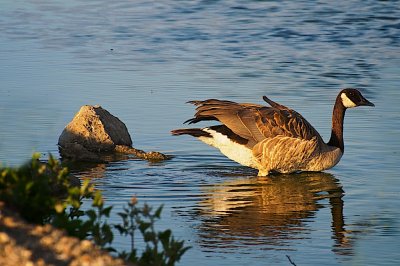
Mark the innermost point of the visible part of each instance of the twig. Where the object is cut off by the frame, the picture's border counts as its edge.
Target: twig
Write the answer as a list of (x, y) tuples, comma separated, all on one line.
[(290, 260)]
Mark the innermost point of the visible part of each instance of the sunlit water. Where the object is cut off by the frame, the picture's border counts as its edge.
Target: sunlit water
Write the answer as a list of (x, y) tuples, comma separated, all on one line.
[(142, 60)]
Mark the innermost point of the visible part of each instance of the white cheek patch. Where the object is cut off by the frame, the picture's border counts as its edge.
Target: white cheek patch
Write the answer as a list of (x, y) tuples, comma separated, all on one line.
[(346, 101)]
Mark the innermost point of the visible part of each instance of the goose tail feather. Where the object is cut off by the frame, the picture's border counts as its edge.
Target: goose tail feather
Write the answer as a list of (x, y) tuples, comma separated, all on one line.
[(195, 132)]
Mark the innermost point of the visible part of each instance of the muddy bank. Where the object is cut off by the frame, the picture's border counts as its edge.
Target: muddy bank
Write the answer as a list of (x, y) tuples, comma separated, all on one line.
[(22, 243)]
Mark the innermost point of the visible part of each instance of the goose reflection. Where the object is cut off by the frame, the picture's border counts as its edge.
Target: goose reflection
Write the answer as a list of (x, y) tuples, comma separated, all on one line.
[(269, 210)]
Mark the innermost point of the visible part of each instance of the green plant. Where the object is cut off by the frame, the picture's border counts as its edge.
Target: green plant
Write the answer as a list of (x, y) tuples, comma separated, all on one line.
[(89, 224), (161, 247), (42, 193), (101, 233), (69, 213), (33, 188)]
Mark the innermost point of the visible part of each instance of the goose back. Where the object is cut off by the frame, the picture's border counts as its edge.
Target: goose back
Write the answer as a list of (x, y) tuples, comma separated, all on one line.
[(254, 122)]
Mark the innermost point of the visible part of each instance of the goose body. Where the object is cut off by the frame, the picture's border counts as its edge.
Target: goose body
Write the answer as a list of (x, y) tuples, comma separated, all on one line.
[(272, 138)]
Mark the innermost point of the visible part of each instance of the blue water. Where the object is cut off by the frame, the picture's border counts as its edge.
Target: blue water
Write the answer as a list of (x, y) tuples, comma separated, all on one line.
[(142, 60)]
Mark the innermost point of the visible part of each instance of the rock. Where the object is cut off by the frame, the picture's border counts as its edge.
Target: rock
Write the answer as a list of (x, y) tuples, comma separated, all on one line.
[(22, 243), (151, 156), (93, 130), (94, 134), (77, 152)]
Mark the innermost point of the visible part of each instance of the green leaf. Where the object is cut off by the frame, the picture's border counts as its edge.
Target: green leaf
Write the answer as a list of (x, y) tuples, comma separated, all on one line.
[(122, 215), (143, 226), (92, 214), (149, 236), (107, 233), (164, 235), (106, 211), (98, 199), (157, 214), (122, 230)]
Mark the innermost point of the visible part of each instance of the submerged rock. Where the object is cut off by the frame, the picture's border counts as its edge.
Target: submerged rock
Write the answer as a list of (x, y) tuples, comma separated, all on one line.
[(94, 133), (151, 156)]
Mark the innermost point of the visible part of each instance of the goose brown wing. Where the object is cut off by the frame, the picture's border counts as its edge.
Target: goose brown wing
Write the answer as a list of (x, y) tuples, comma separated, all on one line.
[(285, 122), (240, 118), (254, 122)]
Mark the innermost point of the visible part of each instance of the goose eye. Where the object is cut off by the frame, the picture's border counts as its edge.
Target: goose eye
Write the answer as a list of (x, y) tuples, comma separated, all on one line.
[(351, 93)]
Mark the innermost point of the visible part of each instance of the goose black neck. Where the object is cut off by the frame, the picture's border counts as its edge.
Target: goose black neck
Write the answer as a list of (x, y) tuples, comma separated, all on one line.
[(337, 125)]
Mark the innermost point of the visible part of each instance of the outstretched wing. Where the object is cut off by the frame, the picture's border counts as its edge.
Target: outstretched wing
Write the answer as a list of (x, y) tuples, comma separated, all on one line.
[(255, 122)]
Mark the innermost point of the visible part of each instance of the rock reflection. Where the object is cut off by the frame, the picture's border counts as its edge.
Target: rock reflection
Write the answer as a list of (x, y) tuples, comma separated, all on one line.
[(87, 170), (269, 211), (90, 170)]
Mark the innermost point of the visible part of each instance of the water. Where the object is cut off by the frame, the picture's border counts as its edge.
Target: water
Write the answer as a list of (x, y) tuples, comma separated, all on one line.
[(142, 60)]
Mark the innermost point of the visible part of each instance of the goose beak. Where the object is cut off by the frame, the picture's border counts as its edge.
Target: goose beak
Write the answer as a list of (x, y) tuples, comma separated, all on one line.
[(365, 102)]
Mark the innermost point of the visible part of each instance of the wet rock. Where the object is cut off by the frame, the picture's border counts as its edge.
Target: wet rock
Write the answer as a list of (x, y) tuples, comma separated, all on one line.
[(78, 152), (151, 156), (94, 134), (92, 131)]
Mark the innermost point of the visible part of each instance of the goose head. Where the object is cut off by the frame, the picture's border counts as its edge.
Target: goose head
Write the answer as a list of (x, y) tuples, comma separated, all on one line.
[(353, 98)]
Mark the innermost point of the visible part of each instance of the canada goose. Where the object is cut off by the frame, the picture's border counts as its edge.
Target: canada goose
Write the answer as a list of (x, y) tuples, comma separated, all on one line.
[(272, 139)]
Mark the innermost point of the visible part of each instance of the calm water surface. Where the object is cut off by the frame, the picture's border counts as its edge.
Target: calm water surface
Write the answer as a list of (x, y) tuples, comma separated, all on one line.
[(142, 60)]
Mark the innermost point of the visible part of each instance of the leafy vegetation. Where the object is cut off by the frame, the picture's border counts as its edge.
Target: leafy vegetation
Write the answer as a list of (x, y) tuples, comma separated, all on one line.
[(161, 247), (42, 193), (32, 189)]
